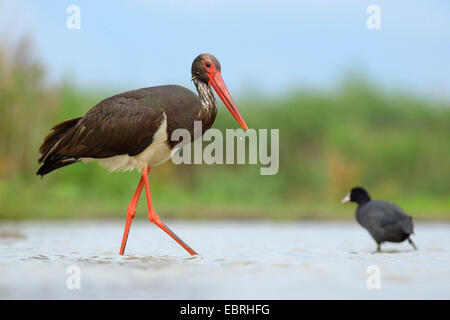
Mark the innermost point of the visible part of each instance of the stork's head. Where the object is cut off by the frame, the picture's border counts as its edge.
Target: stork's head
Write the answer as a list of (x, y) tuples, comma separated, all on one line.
[(206, 68)]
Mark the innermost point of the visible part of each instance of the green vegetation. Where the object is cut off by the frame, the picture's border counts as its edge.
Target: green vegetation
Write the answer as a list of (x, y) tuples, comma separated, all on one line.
[(396, 145)]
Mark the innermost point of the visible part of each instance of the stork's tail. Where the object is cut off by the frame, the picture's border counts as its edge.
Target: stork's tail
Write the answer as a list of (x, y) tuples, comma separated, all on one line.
[(50, 159)]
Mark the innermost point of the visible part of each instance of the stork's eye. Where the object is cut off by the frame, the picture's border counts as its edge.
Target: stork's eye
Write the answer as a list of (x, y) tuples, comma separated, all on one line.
[(208, 65)]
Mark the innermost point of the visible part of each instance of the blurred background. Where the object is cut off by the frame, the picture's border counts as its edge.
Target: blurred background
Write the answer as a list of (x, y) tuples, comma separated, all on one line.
[(354, 106)]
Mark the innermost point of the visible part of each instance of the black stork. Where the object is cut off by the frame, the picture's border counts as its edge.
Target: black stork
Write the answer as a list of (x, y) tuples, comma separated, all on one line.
[(132, 130)]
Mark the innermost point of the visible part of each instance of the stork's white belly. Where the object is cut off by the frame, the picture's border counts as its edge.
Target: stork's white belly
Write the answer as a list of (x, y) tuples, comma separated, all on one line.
[(155, 154)]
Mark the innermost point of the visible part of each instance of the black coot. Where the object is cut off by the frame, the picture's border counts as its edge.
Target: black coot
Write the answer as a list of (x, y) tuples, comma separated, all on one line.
[(384, 220)]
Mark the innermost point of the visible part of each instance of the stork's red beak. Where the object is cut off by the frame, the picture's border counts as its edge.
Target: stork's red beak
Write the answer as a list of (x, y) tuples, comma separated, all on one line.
[(217, 83)]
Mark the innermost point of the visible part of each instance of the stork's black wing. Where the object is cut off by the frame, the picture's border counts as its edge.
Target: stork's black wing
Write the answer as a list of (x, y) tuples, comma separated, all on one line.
[(122, 124)]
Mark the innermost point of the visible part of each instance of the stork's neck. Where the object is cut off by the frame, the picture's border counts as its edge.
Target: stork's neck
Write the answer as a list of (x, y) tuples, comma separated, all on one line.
[(207, 99)]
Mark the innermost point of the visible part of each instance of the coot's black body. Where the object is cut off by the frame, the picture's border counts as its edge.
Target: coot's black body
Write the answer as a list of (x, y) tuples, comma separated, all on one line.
[(384, 220)]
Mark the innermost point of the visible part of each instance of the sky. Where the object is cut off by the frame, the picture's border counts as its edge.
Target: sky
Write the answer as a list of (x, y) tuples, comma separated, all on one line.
[(264, 46)]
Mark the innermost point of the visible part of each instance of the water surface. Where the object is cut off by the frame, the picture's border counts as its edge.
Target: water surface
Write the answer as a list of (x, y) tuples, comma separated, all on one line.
[(238, 260)]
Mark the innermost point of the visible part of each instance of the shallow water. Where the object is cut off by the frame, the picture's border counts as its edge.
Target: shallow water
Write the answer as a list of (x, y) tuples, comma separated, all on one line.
[(238, 260)]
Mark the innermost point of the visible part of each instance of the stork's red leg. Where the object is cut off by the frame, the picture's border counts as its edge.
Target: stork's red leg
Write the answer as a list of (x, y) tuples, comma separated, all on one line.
[(153, 217), (131, 212)]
